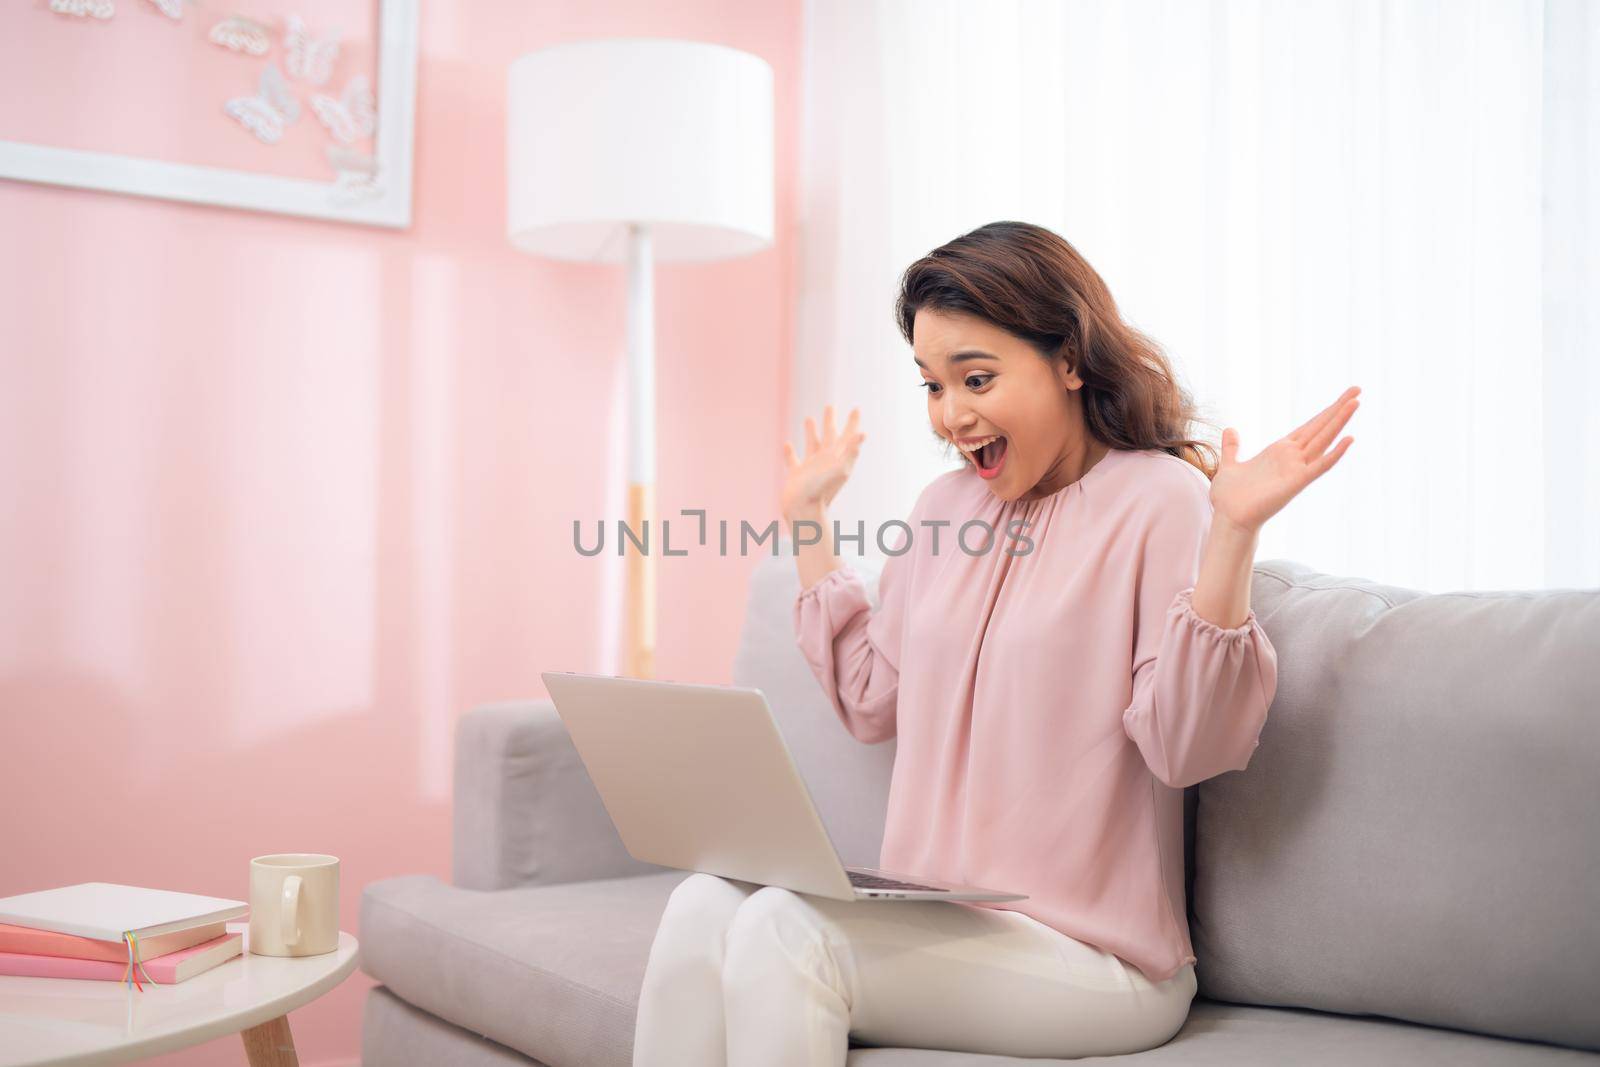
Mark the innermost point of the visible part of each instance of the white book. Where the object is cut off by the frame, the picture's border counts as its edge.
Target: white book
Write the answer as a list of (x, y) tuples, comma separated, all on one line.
[(106, 910)]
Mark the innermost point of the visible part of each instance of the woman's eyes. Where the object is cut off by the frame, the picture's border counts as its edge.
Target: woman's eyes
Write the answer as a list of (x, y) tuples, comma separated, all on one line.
[(981, 379)]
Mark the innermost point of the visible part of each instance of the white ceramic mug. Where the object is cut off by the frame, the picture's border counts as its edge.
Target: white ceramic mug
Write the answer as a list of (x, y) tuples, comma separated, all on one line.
[(294, 904)]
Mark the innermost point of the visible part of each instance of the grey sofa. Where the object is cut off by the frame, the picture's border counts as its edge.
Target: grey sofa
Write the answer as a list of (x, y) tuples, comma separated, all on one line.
[(1408, 872)]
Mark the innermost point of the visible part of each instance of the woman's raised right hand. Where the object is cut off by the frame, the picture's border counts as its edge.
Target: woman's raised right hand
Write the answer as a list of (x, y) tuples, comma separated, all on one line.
[(814, 480)]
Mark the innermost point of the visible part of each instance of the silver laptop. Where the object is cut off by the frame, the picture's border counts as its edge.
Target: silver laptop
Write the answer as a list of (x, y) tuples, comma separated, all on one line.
[(699, 778)]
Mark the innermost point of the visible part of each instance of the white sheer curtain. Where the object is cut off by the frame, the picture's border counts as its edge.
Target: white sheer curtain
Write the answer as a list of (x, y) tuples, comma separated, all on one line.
[(1291, 199)]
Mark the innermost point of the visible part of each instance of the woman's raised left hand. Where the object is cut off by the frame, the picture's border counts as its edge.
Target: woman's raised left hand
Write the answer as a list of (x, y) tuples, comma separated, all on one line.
[(1248, 494)]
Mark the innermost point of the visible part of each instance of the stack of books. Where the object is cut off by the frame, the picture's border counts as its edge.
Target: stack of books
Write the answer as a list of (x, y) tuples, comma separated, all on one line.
[(116, 932)]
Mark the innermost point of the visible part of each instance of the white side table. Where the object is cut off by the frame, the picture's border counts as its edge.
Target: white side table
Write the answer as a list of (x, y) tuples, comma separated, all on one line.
[(78, 1021)]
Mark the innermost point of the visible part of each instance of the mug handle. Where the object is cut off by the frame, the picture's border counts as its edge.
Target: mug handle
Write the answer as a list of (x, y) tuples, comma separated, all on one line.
[(289, 911)]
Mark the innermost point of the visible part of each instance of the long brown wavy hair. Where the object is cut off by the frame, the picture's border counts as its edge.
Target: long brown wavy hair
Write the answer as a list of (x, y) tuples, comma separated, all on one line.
[(1032, 283)]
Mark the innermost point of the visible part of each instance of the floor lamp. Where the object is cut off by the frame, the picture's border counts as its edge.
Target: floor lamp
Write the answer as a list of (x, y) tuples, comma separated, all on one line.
[(639, 150)]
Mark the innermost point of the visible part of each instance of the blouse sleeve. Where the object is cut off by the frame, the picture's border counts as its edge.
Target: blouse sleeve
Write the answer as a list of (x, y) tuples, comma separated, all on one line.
[(854, 650), (1200, 691)]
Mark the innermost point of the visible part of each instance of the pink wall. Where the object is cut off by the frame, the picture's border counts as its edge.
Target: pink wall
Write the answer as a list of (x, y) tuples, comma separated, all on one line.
[(279, 499)]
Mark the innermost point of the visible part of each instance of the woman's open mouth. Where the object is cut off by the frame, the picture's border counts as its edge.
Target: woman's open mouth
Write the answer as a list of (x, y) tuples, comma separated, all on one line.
[(990, 458)]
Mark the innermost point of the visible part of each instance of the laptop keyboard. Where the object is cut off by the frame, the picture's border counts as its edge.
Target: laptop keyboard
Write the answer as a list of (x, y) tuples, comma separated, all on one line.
[(872, 881)]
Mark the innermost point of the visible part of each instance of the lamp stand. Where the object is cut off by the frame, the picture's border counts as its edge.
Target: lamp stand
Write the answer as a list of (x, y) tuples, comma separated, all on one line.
[(641, 652)]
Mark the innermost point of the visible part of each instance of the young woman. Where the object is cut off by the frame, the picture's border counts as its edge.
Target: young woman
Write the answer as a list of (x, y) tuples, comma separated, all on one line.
[(1064, 643)]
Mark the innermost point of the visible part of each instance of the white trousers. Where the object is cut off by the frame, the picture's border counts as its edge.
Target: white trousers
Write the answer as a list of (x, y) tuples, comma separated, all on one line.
[(742, 975)]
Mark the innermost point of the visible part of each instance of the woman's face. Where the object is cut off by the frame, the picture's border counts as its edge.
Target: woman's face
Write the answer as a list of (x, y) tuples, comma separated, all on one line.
[(983, 381)]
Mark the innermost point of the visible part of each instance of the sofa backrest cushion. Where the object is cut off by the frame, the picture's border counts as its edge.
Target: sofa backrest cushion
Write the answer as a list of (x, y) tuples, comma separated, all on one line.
[(1416, 836), (848, 781)]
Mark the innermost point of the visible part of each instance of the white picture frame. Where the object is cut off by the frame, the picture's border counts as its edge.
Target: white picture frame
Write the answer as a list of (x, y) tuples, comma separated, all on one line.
[(392, 148)]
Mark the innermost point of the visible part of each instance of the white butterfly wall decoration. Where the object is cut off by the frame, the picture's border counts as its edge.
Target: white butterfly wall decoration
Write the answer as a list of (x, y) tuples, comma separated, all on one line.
[(356, 176), (280, 64), (350, 117), (100, 9), (241, 35), (270, 110), (309, 60)]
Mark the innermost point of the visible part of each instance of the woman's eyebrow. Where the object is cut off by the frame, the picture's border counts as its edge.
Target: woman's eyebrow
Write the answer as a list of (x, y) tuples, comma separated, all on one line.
[(959, 357)]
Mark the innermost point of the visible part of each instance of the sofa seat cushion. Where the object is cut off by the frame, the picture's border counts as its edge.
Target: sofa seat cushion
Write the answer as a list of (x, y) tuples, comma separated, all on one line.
[(553, 971), (396, 1034), (1238, 1035)]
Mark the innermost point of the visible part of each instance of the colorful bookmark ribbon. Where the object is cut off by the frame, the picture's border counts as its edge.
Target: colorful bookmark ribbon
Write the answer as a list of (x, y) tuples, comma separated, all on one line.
[(135, 960)]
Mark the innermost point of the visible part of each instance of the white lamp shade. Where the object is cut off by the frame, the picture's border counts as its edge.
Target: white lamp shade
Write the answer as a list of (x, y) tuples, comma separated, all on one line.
[(676, 135)]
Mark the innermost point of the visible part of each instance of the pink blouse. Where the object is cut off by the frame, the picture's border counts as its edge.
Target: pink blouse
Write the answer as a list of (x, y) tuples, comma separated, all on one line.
[(1051, 695)]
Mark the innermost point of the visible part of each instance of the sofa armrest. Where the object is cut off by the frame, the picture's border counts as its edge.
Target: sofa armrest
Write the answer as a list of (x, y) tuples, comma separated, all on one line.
[(526, 812)]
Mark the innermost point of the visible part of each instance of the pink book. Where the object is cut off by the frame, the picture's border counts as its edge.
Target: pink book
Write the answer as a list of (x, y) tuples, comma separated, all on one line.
[(164, 970), (32, 942)]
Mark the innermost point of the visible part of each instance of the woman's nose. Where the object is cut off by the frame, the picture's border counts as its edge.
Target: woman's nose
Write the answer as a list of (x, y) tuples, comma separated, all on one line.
[(956, 416)]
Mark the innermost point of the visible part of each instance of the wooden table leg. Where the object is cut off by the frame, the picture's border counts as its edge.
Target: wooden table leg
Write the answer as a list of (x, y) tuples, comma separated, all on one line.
[(270, 1044)]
